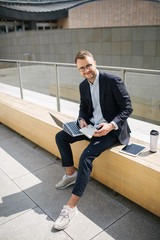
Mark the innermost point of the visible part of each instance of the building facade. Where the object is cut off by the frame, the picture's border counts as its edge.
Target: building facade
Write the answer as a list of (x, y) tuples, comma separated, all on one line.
[(20, 15)]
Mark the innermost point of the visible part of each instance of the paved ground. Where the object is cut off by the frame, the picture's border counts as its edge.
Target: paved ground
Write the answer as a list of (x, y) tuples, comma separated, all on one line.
[(29, 202)]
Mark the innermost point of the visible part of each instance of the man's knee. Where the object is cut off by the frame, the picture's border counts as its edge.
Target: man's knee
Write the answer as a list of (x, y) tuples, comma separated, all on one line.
[(59, 137), (86, 160)]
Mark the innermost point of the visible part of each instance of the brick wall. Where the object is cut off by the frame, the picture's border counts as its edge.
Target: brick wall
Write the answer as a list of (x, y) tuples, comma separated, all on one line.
[(107, 13)]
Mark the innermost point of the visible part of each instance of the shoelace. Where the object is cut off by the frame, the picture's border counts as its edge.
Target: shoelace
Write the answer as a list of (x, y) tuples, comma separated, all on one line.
[(64, 213), (64, 177)]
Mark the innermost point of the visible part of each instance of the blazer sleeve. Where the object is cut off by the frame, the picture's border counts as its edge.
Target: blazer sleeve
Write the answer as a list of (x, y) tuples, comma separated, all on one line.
[(83, 108), (123, 101)]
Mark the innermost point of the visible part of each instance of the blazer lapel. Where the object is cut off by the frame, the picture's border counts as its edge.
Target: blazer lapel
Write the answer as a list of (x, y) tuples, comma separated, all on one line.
[(88, 93), (101, 91)]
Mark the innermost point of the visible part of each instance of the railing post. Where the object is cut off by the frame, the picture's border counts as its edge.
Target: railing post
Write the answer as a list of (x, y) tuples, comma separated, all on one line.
[(57, 88), (123, 75), (20, 79)]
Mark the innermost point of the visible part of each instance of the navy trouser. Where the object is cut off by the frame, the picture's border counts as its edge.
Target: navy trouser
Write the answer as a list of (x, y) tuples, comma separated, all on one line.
[(96, 146)]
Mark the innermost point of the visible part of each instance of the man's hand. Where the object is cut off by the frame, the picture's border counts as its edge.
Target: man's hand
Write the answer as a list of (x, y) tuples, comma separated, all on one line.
[(82, 123), (104, 129)]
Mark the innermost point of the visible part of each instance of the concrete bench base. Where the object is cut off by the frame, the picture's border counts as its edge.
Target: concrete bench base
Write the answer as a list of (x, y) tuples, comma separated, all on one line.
[(137, 178)]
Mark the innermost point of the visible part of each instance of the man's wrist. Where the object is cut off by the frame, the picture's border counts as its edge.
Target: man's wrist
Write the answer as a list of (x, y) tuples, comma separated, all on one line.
[(115, 126), (80, 119)]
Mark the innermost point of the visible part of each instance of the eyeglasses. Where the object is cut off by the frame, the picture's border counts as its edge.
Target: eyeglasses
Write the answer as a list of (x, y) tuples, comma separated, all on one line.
[(82, 69)]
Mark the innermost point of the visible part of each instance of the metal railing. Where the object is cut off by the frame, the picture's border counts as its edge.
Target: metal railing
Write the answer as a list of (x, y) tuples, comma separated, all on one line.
[(138, 81)]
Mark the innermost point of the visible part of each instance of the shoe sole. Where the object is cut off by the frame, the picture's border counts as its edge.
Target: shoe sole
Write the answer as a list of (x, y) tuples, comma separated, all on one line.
[(69, 184), (57, 228)]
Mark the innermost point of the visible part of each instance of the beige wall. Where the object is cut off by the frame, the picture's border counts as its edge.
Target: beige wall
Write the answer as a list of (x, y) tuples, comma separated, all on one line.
[(107, 13), (63, 23), (137, 47)]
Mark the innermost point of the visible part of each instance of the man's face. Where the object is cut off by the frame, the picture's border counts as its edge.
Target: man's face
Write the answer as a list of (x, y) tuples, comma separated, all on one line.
[(87, 68)]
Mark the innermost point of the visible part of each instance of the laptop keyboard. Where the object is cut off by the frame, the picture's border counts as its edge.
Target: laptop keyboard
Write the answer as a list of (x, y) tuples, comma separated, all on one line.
[(74, 127)]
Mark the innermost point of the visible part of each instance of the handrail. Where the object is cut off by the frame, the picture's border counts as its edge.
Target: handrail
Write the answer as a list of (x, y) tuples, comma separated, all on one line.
[(151, 71)]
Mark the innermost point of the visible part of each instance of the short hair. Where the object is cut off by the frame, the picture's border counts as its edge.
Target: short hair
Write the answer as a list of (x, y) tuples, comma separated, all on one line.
[(83, 54)]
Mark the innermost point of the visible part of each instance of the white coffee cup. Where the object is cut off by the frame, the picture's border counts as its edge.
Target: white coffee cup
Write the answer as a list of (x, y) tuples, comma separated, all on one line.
[(153, 140)]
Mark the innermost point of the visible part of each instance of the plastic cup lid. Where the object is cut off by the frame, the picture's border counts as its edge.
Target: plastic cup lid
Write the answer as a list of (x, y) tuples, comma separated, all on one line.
[(154, 132)]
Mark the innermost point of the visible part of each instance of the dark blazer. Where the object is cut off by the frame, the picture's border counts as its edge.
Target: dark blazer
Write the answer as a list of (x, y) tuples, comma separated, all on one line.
[(114, 101)]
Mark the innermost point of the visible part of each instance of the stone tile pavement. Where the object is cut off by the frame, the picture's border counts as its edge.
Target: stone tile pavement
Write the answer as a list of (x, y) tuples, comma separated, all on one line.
[(29, 202)]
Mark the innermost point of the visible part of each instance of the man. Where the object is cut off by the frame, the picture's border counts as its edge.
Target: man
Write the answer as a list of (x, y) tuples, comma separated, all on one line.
[(104, 103)]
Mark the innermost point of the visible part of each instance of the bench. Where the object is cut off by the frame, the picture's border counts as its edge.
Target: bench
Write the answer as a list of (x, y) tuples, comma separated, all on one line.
[(136, 178)]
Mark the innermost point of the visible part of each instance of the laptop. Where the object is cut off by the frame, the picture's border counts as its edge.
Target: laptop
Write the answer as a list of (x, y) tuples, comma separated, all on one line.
[(73, 129), (133, 149), (70, 127)]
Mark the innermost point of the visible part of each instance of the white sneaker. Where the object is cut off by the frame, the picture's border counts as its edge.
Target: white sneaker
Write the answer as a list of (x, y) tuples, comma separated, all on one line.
[(66, 181), (66, 216)]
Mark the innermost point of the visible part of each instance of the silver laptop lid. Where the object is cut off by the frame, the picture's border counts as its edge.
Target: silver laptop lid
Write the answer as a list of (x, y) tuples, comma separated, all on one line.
[(57, 121)]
